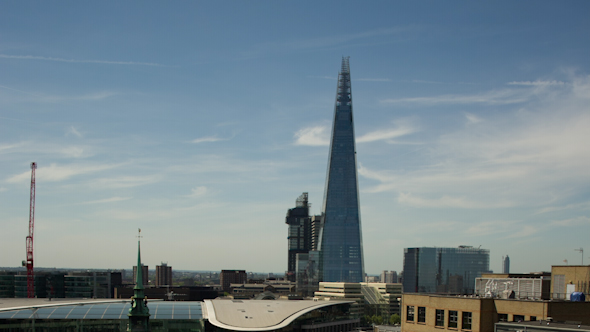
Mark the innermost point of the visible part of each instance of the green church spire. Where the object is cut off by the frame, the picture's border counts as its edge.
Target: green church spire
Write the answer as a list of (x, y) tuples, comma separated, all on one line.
[(139, 313)]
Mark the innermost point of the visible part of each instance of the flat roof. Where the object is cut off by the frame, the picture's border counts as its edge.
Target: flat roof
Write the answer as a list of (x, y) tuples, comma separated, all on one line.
[(259, 315), (94, 309)]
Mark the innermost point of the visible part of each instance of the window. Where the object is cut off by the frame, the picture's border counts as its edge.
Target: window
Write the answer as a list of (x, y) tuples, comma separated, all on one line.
[(518, 318), (502, 317), (533, 318), (410, 313), (421, 314), (466, 321), (453, 318), (440, 317)]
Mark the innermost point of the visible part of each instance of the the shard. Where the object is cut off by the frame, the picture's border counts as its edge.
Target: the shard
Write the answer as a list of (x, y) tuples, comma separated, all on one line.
[(341, 247)]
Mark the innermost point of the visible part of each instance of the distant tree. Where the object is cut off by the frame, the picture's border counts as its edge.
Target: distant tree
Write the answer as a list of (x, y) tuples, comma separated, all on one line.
[(377, 320), (365, 320), (395, 319)]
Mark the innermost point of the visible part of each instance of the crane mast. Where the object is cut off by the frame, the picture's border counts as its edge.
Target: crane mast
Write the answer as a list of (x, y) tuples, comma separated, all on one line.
[(30, 272)]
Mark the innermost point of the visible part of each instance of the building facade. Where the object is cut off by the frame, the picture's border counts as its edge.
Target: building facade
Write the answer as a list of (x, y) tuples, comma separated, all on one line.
[(299, 236), (388, 277), (144, 273), (566, 279), (163, 275), (505, 264), (228, 277), (341, 244), (444, 270), (428, 312)]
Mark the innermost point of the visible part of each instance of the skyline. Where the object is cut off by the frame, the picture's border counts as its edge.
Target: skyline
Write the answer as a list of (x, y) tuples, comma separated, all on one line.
[(202, 124)]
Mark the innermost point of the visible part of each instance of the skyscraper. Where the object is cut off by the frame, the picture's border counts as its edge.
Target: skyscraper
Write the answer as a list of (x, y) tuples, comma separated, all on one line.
[(444, 270), (299, 236), (163, 275), (341, 246), (505, 264)]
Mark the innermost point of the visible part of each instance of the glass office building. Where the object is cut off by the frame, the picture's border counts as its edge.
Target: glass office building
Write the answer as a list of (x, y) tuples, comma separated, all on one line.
[(341, 247), (444, 270)]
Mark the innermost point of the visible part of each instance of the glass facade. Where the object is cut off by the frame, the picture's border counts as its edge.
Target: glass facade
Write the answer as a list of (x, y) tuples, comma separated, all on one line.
[(444, 270), (341, 245)]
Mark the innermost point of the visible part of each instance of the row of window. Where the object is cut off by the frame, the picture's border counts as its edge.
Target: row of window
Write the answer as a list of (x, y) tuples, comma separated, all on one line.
[(452, 317)]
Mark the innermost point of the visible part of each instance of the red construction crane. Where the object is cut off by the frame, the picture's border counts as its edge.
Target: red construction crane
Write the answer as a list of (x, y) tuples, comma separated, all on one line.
[(30, 272)]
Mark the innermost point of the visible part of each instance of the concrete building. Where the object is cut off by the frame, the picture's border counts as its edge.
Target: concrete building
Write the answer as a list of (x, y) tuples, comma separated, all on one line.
[(429, 312), (532, 286), (444, 270), (144, 273), (388, 277), (341, 244), (566, 279), (228, 277), (163, 275)]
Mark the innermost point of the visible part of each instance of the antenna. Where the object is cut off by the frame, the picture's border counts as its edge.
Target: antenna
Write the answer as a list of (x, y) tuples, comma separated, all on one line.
[(581, 250)]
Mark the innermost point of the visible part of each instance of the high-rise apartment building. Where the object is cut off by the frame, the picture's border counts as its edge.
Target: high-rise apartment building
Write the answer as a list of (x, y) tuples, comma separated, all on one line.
[(300, 235), (444, 270), (144, 275), (228, 277), (163, 275), (388, 277), (341, 247)]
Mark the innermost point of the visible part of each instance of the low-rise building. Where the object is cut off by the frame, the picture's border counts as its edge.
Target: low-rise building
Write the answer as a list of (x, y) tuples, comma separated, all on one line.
[(425, 312)]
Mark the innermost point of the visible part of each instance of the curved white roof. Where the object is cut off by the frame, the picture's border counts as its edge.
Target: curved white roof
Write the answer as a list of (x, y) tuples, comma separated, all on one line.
[(259, 315)]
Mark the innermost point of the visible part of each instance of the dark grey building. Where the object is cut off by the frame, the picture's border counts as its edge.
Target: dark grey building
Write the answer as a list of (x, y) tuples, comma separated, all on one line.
[(444, 270), (300, 234), (341, 247)]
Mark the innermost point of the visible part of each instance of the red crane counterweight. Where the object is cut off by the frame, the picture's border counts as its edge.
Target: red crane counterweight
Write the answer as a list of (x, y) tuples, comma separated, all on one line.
[(30, 272)]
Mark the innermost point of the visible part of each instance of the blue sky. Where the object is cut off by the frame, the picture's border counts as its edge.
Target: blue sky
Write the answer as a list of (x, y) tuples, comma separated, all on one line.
[(202, 122)]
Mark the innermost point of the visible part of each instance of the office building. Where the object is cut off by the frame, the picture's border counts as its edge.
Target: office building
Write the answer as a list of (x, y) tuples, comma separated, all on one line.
[(505, 264), (341, 247), (388, 277), (163, 275), (444, 270), (300, 235), (228, 277)]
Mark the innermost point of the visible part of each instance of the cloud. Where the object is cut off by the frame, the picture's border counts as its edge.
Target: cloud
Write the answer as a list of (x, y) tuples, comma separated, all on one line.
[(108, 200), (123, 182), (387, 134), (472, 119), (373, 79), (577, 221), (198, 191), (207, 139), (56, 173), (446, 201), (32, 57), (536, 83), (73, 131), (313, 136), (495, 97)]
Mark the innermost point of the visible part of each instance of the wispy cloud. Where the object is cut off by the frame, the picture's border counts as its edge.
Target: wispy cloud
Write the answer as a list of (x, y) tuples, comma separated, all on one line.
[(208, 139), (400, 130), (55, 173), (124, 181), (495, 97), (107, 62), (577, 221), (73, 131), (536, 83), (447, 201), (313, 136), (108, 200), (372, 79), (198, 191)]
